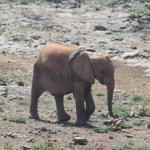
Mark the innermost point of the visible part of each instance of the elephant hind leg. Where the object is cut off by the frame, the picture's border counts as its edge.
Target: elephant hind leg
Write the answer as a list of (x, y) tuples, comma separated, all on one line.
[(36, 91), (61, 114)]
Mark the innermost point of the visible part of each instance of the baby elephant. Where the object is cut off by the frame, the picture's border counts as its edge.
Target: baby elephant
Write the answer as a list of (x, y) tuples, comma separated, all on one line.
[(62, 69)]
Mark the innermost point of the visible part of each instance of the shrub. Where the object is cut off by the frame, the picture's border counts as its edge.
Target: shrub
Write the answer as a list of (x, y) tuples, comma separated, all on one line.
[(44, 146), (137, 98), (23, 102), (120, 111), (140, 11), (17, 119)]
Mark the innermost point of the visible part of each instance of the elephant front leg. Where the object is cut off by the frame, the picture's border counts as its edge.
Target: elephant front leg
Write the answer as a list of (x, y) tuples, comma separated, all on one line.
[(80, 108), (61, 114), (90, 105)]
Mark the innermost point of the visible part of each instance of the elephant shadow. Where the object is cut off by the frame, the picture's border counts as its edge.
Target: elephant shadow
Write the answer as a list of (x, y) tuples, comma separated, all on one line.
[(69, 124)]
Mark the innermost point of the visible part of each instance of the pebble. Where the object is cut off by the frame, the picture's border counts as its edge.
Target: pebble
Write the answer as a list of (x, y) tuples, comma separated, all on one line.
[(148, 125), (80, 140), (129, 136)]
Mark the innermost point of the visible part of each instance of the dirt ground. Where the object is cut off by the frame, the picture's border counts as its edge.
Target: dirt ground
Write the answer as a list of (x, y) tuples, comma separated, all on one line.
[(129, 80), (16, 67)]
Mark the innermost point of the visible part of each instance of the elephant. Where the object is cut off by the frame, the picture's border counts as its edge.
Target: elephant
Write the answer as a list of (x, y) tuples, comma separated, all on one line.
[(62, 69)]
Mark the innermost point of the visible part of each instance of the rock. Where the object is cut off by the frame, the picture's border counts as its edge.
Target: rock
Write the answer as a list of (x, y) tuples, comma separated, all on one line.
[(132, 114), (129, 136), (20, 83), (118, 39), (100, 28), (3, 91), (10, 135), (109, 122), (130, 54), (119, 123), (15, 91), (2, 82), (44, 129), (116, 129), (80, 140), (111, 137), (31, 140), (148, 125), (26, 147), (104, 115)]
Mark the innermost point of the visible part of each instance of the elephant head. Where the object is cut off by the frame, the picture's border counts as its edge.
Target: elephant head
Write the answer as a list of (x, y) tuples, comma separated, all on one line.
[(89, 65)]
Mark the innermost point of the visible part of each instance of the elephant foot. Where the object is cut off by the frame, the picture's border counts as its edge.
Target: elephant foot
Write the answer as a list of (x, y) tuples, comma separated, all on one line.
[(34, 116), (80, 123), (87, 116), (64, 118)]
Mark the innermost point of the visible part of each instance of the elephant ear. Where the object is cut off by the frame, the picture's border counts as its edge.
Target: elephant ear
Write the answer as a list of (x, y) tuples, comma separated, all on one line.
[(82, 67)]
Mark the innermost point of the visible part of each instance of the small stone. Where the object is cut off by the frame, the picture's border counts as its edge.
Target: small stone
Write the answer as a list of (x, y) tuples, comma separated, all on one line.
[(111, 137), (109, 122), (20, 83), (26, 147), (100, 28), (116, 129), (148, 125), (10, 135), (132, 114), (80, 140), (31, 140), (44, 129), (119, 123), (129, 136), (104, 115)]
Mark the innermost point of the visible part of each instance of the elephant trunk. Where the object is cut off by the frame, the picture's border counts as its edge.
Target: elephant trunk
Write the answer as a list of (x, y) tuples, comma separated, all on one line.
[(110, 90), (109, 99)]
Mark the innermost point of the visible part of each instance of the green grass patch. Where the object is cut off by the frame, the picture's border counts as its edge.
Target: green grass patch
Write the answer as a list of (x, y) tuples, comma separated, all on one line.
[(17, 119), (2, 102), (94, 119), (45, 146), (137, 98), (144, 111), (138, 123), (140, 11), (101, 130), (8, 147), (130, 145), (100, 94), (22, 2), (126, 126), (120, 111), (23, 101), (70, 97)]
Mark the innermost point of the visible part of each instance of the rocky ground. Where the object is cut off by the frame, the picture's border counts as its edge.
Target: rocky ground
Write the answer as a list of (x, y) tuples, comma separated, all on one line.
[(112, 27)]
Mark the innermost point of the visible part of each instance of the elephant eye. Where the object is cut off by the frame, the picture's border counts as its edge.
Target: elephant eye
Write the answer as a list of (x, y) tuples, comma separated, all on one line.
[(102, 72)]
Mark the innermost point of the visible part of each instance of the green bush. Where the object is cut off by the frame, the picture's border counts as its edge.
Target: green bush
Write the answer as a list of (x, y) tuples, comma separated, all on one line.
[(120, 111), (137, 98), (23, 102), (17, 119), (100, 94), (2, 102), (140, 11), (45, 146), (126, 126), (8, 147), (144, 111), (130, 145)]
